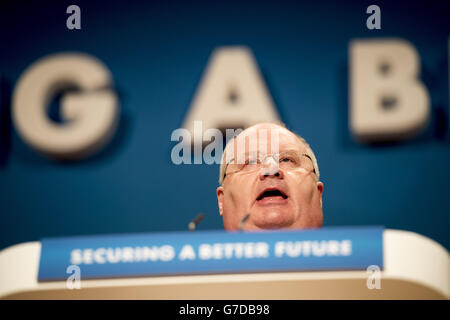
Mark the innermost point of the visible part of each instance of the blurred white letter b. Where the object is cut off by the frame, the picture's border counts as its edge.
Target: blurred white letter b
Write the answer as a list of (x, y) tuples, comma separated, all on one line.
[(387, 100)]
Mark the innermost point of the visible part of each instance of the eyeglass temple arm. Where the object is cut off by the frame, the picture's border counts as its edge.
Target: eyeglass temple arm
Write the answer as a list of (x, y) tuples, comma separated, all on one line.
[(306, 155)]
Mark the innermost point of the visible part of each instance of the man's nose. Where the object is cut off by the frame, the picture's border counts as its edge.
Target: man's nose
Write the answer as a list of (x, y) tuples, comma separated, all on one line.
[(270, 169)]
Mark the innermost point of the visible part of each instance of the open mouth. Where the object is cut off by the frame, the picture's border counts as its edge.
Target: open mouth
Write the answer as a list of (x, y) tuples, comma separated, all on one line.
[(272, 193)]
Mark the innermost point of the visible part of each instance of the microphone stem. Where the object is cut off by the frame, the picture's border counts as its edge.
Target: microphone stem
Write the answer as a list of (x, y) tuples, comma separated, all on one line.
[(193, 224), (241, 224)]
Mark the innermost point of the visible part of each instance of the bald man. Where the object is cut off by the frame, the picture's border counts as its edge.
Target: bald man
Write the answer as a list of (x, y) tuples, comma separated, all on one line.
[(269, 174)]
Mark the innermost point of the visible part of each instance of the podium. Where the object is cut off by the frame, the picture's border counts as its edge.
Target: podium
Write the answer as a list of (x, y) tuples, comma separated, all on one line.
[(413, 267)]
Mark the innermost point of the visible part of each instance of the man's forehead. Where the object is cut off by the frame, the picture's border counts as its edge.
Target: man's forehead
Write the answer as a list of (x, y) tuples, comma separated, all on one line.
[(267, 135)]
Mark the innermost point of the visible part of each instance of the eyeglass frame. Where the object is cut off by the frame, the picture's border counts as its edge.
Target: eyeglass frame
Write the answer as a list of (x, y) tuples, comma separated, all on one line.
[(267, 155)]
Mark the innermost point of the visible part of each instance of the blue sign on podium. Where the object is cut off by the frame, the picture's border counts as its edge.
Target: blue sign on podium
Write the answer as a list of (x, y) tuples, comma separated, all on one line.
[(212, 252)]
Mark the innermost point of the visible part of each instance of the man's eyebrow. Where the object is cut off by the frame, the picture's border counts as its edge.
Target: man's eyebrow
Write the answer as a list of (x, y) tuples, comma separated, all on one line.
[(293, 151), (290, 150)]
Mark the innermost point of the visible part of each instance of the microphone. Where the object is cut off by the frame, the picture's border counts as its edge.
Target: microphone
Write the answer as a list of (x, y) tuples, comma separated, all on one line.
[(193, 224), (241, 224)]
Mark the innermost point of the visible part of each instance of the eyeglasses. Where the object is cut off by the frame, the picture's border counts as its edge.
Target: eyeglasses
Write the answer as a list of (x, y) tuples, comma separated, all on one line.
[(251, 162)]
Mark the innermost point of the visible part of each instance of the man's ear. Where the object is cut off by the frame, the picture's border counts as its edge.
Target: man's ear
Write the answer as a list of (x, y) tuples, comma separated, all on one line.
[(320, 189), (219, 193)]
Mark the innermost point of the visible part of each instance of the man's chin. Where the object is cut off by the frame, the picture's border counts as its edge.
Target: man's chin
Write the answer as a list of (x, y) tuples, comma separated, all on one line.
[(272, 219)]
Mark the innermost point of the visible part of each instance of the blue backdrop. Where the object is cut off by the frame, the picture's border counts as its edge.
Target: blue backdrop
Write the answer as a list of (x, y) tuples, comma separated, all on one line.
[(157, 53)]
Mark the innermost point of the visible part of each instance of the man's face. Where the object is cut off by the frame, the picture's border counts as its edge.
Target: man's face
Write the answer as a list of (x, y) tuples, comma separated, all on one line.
[(277, 195)]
